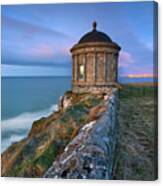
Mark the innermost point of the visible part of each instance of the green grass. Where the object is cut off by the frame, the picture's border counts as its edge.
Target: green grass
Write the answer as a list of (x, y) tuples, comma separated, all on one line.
[(135, 150), (79, 111), (128, 91), (46, 159)]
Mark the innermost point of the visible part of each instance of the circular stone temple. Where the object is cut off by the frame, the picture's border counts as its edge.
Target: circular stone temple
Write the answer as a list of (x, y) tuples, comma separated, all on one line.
[(95, 63)]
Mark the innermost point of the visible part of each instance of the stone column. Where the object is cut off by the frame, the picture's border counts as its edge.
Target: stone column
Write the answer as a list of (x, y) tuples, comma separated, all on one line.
[(95, 67), (76, 67), (108, 66), (105, 67), (116, 68), (112, 71), (73, 68), (85, 66)]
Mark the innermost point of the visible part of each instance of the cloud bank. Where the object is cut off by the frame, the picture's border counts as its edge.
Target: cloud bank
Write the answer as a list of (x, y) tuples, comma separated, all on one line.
[(42, 35)]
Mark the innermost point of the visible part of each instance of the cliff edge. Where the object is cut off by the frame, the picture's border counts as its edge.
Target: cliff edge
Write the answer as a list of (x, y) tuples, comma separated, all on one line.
[(91, 153), (83, 123)]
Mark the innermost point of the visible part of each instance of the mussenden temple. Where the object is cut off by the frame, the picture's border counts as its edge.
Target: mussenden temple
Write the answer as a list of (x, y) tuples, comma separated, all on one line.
[(95, 62)]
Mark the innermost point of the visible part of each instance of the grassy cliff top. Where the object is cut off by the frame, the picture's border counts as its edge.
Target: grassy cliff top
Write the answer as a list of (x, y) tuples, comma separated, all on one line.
[(136, 150)]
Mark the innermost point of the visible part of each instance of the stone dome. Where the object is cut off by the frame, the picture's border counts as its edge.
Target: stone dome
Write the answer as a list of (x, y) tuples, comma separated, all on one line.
[(95, 36)]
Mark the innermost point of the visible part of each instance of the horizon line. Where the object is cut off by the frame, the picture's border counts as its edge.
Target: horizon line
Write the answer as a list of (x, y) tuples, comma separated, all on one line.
[(122, 76)]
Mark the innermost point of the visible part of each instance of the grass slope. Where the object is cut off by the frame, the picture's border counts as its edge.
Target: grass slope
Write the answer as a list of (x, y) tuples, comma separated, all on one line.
[(135, 157)]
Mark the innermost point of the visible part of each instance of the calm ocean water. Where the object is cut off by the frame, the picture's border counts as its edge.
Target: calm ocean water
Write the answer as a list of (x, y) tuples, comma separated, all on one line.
[(25, 99)]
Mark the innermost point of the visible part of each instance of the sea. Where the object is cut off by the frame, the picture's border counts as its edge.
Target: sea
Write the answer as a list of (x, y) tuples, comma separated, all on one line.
[(26, 99)]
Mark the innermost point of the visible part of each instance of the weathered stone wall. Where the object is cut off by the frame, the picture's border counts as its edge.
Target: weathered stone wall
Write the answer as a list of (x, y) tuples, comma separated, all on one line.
[(90, 154)]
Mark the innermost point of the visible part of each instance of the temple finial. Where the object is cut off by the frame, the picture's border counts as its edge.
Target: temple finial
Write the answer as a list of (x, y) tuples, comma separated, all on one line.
[(94, 25)]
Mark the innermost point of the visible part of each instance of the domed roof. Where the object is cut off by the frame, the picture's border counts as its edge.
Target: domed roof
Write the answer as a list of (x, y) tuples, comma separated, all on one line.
[(95, 36)]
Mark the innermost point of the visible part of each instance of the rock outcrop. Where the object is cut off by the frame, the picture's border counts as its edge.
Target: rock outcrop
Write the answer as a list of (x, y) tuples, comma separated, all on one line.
[(82, 119), (90, 154)]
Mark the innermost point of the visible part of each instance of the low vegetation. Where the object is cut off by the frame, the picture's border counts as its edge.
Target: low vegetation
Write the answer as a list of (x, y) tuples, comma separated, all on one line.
[(136, 155), (48, 137)]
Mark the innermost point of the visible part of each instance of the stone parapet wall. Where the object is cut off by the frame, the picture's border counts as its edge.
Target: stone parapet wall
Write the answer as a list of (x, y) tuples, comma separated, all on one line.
[(91, 153)]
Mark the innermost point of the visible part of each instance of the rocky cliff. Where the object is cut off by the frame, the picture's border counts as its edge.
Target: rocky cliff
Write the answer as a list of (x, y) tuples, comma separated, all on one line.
[(91, 153), (84, 123)]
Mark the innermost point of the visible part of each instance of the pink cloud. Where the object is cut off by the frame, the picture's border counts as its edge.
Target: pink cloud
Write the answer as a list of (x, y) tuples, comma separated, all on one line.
[(144, 75), (125, 59), (45, 51), (42, 51)]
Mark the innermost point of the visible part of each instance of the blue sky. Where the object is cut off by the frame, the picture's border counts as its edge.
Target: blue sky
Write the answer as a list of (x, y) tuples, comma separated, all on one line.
[(36, 39)]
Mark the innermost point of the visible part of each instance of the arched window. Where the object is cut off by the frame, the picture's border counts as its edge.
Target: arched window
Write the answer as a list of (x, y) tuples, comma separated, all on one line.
[(81, 71)]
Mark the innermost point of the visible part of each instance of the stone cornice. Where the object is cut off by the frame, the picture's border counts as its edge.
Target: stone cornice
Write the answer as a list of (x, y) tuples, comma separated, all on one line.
[(96, 44)]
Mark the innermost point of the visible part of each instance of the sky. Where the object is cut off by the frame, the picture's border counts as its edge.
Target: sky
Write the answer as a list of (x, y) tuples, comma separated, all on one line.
[(36, 39)]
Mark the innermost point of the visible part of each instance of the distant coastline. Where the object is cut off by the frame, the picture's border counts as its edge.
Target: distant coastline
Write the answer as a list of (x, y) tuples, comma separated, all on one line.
[(121, 79)]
